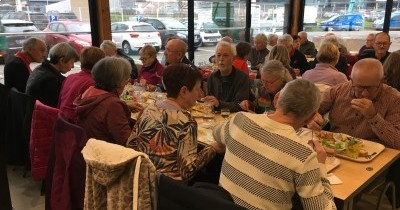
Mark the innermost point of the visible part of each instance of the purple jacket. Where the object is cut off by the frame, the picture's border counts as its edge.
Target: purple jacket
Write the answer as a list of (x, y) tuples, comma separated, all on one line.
[(152, 74), (324, 73)]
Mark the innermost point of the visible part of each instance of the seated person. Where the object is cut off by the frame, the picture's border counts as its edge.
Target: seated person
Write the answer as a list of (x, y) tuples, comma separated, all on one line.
[(44, 84), (227, 86), (280, 53), (274, 76), (243, 52), (296, 41), (151, 71), (259, 51), (381, 48), (266, 163), (110, 49), (272, 40), (306, 47), (369, 44), (167, 132), (75, 84), (211, 59), (325, 71), (391, 69), (297, 59), (175, 52), (100, 111)]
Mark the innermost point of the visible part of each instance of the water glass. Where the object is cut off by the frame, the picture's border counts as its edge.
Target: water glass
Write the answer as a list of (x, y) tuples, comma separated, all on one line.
[(225, 112), (208, 114)]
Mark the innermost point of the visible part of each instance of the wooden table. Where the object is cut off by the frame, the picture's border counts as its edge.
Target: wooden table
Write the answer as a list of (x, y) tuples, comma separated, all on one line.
[(356, 177)]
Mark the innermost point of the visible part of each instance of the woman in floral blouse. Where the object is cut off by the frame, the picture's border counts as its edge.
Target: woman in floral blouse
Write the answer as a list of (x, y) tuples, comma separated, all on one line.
[(167, 132)]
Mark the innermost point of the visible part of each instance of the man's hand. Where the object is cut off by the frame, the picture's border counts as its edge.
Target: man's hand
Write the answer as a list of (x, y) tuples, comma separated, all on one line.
[(321, 154), (364, 106), (316, 122), (246, 105), (211, 100)]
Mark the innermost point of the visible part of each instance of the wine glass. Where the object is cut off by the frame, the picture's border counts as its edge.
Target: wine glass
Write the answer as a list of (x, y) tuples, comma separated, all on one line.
[(225, 112)]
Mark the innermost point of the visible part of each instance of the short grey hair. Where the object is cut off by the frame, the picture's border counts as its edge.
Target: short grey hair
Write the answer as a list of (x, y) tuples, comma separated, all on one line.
[(148, 49), (261, 37), (368, 64), (285, 39), (331, 39), (280, 53), (63, 51), (30, 43), (277, 69), (223, 43), (300, 98), (271, 37), (110, 73), (302, 33), (108, 44)]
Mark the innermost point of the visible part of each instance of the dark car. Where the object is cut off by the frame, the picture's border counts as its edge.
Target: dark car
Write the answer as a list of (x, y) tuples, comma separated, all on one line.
[(347, 22), (76, 33), (172, 28), (39, 19), (10, 44)]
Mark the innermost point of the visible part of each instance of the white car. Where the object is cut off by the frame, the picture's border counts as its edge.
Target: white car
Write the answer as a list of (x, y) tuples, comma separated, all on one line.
[(209, 32), (131, 36)]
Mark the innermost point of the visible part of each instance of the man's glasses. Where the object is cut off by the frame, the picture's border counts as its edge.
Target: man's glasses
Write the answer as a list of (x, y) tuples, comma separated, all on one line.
[(383, 44), (370, 89)]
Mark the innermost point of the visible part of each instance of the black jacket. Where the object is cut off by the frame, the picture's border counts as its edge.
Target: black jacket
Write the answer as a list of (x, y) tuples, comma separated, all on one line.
[(15, 73)]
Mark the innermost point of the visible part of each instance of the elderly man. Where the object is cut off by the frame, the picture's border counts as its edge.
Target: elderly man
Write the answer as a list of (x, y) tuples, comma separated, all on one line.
[(365, 108), (227, 86), (259, 51), (381, 47), (264, 152), (297, 59), (369, 44), (306, 47), (175, 51), (272, 40), (110, 49), (17, 70)]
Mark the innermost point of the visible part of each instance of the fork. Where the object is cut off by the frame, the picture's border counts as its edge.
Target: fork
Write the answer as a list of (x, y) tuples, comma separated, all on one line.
[(370, 156), (299, 131)]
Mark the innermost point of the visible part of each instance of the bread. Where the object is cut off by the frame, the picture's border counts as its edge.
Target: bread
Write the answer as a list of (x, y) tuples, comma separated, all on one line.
[(362, 153)]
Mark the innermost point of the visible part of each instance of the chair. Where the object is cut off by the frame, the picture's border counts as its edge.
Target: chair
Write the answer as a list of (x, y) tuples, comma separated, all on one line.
[(65, 178), (5, 198), (178, 196), (118, 177), (19, 116), (43, 119)]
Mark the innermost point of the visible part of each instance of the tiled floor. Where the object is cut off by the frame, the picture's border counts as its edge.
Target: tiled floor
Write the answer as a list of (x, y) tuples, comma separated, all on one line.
[(25, 194)]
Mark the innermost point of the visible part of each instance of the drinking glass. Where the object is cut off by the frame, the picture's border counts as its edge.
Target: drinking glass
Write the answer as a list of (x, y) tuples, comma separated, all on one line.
[(330, 154), (225, 112), (208, 114)]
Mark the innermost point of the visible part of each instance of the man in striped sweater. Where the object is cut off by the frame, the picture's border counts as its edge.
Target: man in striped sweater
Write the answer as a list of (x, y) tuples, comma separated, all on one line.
[(266, 163)]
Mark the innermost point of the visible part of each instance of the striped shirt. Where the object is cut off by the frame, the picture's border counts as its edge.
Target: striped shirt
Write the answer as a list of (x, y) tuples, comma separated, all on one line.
[(266, 163), (384, 127)]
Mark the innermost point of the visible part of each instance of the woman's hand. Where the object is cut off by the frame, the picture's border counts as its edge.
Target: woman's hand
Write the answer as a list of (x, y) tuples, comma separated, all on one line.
[(134, 106)]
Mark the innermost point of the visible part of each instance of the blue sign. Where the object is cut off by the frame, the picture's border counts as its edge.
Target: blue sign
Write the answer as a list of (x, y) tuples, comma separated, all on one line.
[(53, 18)]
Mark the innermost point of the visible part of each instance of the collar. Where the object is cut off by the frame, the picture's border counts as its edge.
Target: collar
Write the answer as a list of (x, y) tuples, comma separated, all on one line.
[(151, 66), (25, 59)]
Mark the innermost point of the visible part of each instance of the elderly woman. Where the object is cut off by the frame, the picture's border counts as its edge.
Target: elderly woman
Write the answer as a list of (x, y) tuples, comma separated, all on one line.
[(44, 84), (152, 69), (274, 76), (167, 132), (100, 111), (325, 71), (259, 51), (297, 59), (75, 84), (391, 68), (280, 53)]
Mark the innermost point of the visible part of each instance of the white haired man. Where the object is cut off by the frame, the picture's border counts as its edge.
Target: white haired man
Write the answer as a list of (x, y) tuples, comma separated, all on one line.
[(266, 163), (227, 86), (306, 47)]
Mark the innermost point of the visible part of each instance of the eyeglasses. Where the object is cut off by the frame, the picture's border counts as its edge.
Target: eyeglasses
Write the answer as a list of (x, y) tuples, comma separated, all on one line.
[(383, 44), (143, 59), (269, 83), (370, 89)]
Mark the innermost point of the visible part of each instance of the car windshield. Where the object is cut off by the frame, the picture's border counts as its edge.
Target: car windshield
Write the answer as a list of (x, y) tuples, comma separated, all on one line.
[(79, 28), (174, 24), (19, 27), (143, 28)]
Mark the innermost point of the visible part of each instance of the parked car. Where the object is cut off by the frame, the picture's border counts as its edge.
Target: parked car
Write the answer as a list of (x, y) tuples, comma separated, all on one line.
[(131, 36), (76, 33), (39, 19), (63, 15), (347, 22), (394, 22), (209, 32), (172, 28), (10, 44)]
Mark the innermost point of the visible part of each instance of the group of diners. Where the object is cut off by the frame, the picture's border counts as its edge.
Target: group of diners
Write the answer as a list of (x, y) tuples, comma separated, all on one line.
[(265, 161)]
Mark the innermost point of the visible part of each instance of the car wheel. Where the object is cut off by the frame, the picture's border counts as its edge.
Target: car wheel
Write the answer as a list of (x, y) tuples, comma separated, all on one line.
[(126, 47)]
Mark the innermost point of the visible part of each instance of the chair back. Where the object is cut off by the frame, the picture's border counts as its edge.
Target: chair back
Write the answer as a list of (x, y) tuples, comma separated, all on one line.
[(65, 178), (43, 119), (118, 176), (19, 116)]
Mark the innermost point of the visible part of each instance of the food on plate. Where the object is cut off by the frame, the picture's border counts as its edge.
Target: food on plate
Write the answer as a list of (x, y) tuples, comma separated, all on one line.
[(342, 143), (362, 153), (126, 97), (198, 107), (196, 114)]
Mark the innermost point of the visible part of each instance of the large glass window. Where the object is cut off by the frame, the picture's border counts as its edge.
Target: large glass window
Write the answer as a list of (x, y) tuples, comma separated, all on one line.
[(350, 20)]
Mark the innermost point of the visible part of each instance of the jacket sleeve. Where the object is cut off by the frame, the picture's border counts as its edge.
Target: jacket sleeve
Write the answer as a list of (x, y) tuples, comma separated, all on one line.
[(117, 123)]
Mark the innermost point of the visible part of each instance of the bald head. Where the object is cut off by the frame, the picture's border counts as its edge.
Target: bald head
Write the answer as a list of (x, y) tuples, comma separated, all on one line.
[(227, 39), (368, 67), (175, 50)]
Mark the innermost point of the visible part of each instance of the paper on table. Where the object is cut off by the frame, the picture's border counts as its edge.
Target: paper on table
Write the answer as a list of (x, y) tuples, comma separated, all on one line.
[(333, 179)]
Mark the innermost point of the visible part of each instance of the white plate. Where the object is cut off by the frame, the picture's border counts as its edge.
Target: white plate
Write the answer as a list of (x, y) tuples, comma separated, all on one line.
[(332, 165)]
